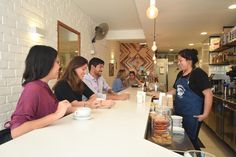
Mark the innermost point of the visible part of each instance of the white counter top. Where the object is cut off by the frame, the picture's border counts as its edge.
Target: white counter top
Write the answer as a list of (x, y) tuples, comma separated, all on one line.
[(116, 132)]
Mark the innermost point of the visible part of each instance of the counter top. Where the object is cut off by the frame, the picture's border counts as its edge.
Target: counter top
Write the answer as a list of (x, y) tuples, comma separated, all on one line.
[(229, 100), (115, 132)]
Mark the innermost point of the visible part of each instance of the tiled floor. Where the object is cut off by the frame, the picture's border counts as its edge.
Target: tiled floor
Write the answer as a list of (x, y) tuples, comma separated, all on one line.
[(213, 144)]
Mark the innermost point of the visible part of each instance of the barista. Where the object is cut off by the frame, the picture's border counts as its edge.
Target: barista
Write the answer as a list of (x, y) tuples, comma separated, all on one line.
[(193, 99)]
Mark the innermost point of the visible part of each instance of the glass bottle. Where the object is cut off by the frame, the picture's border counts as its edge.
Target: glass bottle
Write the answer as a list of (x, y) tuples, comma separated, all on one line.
[(145, 86)]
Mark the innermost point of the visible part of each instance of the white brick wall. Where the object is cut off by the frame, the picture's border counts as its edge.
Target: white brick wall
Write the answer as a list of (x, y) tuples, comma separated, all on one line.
[(16, 17)]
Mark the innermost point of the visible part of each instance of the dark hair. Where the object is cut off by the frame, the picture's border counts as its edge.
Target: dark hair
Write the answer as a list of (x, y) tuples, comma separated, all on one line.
[(132, 72), (70, 75), (95, 61), (190, 54), (38, 63)]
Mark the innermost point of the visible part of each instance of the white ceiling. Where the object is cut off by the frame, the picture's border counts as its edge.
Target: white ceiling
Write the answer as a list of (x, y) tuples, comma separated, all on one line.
[(179, 22)]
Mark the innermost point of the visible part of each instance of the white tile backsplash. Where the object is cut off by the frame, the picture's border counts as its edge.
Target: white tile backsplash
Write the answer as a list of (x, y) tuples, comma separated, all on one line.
[(16, 17)]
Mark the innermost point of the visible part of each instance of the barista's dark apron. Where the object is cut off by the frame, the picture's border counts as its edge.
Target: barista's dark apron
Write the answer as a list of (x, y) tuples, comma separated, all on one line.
[(188, 104)]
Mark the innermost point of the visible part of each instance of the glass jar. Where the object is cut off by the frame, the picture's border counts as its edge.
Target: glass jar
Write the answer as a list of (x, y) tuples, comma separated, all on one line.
[(162, 127)]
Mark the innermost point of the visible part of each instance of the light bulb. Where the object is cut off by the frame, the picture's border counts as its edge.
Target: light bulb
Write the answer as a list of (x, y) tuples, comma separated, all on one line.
[(152, 12), (155, 61), (154, 57), (154, 46), (233, 6)]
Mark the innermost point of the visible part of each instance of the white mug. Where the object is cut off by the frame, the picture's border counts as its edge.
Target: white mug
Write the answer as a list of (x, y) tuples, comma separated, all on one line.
[(82, 112)]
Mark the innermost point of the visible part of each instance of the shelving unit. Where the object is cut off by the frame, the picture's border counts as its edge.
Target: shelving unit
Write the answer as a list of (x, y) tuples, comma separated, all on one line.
[(223, 64), (225, 47), (222, 58)]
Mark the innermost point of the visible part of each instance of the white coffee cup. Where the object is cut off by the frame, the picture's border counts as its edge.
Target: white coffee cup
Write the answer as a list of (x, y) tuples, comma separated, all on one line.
[(82, 112)]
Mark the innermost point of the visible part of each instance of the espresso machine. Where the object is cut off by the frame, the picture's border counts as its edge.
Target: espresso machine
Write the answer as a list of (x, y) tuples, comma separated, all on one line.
[(232, 85), (217, 82)]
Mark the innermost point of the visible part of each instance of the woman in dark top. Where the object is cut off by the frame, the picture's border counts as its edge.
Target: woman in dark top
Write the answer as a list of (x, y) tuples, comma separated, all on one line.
[(193, 92), (71, 87)]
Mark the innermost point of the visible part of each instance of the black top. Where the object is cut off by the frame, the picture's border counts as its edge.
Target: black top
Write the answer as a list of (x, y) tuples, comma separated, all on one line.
[(63, 91), (198, 81)]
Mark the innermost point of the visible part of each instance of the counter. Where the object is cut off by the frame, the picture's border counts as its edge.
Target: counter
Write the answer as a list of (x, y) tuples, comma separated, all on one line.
[(222, 119), (115, 132), (228, 100)]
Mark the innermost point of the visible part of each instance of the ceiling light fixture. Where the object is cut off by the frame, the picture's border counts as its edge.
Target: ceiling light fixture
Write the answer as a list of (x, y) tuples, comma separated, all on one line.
[(171, 50), (154, 46), (233, 6), (154, 57), (204, 33), (152, 11), (191, 44)]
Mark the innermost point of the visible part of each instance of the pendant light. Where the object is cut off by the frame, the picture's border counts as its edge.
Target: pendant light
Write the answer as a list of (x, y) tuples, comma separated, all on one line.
[(152, 11), (154, 46)]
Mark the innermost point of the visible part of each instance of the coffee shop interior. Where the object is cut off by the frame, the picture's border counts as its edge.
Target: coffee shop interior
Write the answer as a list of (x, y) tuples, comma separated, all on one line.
[(127, 35)]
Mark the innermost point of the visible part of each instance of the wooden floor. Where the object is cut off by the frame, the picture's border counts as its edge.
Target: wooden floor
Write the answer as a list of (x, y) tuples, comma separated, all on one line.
[(213, 144)]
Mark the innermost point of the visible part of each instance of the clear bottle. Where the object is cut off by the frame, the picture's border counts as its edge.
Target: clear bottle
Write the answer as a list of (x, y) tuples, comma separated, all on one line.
[(145, 86), (162, 127)]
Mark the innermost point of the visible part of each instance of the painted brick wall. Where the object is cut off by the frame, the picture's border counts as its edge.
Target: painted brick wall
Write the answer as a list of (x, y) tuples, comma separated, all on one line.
[(16, 19)]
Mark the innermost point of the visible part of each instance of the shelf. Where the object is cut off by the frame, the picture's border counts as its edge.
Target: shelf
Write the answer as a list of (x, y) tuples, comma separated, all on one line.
[(225, 47), (223, 64)]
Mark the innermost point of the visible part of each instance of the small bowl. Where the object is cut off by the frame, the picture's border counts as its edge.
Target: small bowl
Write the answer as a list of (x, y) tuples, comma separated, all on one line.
[(177, 118), (196, 153), (82, 112)]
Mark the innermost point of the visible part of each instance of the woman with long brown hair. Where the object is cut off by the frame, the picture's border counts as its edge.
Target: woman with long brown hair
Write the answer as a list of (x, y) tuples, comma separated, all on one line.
[(119, 83), (37, 107), (72, 88)]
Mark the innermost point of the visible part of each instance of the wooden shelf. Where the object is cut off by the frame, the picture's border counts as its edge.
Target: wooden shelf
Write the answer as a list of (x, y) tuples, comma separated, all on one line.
[(225, 47), (222, 64)]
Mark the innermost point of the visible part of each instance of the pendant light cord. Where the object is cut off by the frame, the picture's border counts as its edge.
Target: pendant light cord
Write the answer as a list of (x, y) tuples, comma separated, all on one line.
[(154, 29)]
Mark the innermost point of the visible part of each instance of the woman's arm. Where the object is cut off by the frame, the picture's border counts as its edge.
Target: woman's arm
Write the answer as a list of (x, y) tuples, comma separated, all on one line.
[(139, 82), (172, 91), (208, 97), (90, 103), (42, 122)]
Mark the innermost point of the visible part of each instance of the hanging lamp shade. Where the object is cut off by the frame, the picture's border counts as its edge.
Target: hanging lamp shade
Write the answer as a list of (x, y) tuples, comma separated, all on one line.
[(154, 46), (152, 11)]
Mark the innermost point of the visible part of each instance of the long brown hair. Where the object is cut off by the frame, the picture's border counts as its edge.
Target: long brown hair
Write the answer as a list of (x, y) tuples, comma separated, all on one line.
[(121, 74), (38, 63), (70, 75)]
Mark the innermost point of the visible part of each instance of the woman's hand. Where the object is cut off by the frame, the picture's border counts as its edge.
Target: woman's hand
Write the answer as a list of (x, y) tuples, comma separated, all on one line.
[(123, 96), (201, 117), (62, 108), (107, 104), (94, 104)]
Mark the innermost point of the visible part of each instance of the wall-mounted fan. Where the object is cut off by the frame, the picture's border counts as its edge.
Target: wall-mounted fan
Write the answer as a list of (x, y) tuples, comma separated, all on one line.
[(100, 32)]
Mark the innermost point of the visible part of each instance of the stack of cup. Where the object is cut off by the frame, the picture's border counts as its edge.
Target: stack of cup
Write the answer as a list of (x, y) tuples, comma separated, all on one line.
[(141, 96), (177, 124)]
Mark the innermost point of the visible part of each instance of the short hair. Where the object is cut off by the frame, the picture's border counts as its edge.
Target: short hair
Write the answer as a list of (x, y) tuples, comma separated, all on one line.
[(38, 63), (95, 61), (190, 54), (70, 75)]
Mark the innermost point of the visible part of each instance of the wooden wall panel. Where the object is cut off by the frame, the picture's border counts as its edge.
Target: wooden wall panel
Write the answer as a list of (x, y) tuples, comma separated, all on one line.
[(134, 55)]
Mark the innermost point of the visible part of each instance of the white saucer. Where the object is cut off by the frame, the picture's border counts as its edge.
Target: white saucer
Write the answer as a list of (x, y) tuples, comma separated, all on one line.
[(82, 118)]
